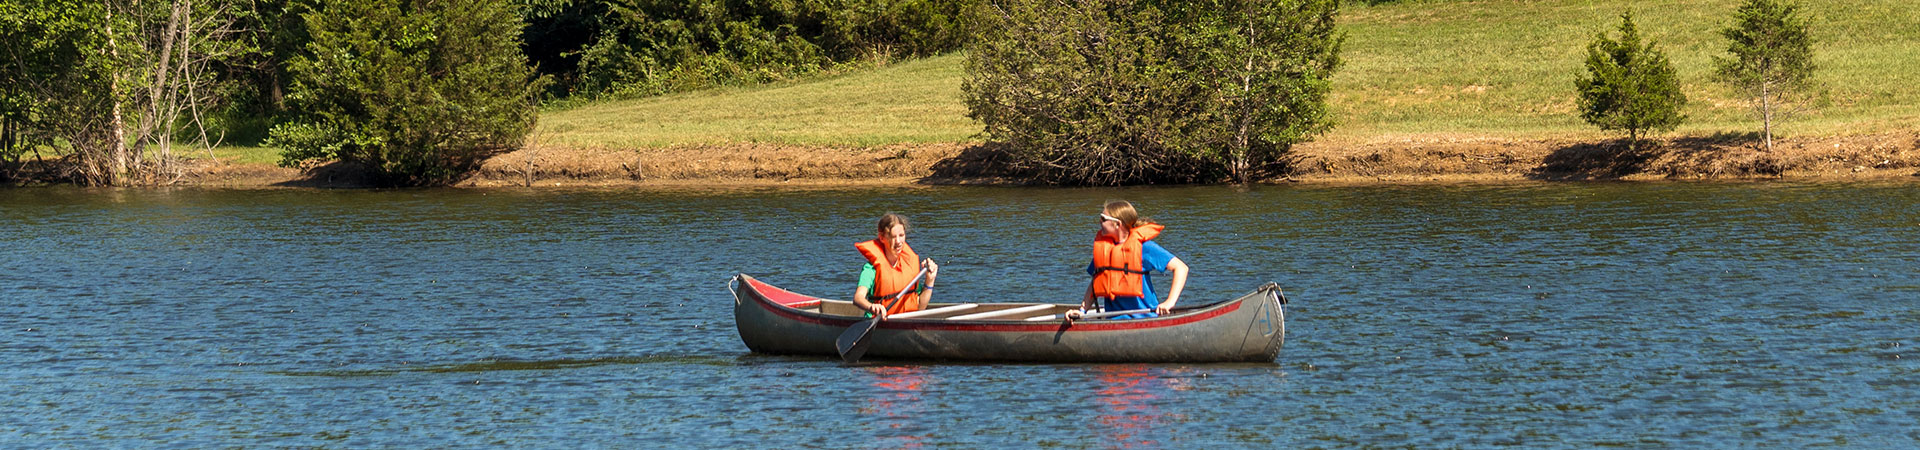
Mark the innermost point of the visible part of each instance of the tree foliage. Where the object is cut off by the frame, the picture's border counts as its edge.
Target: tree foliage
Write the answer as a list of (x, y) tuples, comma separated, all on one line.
[(109, 84), (625, 48), (1629, 85), (1140, 91), (49, 69), (419, 91), (1770, 56)]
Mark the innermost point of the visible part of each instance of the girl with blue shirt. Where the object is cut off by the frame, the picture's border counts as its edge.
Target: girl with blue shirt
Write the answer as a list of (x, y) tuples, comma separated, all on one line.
[(1124, 257)]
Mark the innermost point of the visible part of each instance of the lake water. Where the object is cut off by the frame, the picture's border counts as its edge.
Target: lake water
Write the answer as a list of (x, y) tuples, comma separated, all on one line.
[(1774, 315)]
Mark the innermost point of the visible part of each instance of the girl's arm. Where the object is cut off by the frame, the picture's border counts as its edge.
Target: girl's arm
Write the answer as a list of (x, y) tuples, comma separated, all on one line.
[(926, 290), (860, 300), (1086, 303), (1179, 269)]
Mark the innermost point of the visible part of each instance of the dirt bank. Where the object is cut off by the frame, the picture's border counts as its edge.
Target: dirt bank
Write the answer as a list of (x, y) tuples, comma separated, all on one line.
[(1416, 159), (1451, 158)]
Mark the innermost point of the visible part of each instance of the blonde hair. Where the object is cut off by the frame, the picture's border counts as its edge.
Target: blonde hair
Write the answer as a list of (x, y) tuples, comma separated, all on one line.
[(1129, 218), (888, 220)]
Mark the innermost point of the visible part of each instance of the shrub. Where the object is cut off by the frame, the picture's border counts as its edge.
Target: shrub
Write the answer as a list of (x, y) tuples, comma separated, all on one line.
[(1121, 91), (1629, 85), (648, 47), (419, 91)]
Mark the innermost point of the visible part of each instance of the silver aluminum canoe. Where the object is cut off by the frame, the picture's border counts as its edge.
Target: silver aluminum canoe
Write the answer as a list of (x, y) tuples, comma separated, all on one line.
[(1250, 328)]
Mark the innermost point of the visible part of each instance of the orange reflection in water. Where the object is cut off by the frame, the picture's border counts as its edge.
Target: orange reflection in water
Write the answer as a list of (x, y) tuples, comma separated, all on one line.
[(1127, 399), (897, 403)]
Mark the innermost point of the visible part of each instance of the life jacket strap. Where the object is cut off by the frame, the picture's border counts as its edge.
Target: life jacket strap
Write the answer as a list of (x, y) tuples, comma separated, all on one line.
[(1120, 269)]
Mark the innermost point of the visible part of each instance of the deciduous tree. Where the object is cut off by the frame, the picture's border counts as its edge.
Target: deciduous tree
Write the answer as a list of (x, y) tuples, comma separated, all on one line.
[(1769, 56), (110, 84), (1142, 91)]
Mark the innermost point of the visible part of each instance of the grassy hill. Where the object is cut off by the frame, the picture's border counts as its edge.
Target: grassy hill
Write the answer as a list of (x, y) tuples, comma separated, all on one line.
[(1500, 69), (915, 101)]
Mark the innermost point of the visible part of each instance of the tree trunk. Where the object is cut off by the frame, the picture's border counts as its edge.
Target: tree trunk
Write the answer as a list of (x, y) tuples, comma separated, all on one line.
[(6, 139), (274, 92), (1241, 144), (1766, 114), (116, 123)]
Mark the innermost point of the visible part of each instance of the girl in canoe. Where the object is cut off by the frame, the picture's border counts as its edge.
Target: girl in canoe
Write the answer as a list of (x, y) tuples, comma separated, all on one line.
[(891, 268), (1124, 253)]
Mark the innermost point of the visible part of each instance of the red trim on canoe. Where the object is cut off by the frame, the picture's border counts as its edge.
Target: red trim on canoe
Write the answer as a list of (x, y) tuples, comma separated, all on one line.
[(781, 296)]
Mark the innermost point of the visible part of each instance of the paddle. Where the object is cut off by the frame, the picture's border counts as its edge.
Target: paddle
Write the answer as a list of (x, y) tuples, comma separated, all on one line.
[(853, 343), (1089, 316)]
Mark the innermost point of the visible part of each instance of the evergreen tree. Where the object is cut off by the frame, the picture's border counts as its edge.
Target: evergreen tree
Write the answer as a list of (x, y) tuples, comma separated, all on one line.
[(1770, 55), (419, 91), (1629, 85)]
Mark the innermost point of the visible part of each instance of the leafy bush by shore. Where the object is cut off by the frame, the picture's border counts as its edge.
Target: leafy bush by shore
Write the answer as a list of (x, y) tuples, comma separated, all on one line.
[(648, 47), (418, 91), (1629, 85), (1123, 92)]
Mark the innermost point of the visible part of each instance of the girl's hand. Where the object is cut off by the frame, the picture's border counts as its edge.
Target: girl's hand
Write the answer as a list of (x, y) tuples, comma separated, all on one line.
[(879, 311), (1163, 308), (933, 270)]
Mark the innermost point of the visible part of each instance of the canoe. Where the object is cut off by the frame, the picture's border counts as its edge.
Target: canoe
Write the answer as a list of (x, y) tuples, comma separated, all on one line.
[(1250, 328)]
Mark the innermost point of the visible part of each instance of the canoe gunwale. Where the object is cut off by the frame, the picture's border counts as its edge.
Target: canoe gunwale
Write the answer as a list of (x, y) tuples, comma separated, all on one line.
[(1180, 316), (769, 322)]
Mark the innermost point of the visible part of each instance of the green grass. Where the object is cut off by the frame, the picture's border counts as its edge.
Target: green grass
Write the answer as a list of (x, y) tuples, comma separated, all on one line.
[(907, 102), (1491, 68), (1506, 68), (240, 154)]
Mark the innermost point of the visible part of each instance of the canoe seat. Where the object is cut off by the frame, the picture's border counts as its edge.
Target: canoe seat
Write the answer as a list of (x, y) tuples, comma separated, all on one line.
[(839, 308)]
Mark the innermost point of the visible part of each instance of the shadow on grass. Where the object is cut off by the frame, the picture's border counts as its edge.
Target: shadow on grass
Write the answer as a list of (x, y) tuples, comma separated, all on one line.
[(981, 163), (1713, 154), (993, 163), (1603, 160), (336, 174), (347, 174)]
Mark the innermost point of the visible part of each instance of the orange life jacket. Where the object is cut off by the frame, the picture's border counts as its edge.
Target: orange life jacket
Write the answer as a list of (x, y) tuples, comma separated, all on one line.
[(890, 279), (1118, 263)]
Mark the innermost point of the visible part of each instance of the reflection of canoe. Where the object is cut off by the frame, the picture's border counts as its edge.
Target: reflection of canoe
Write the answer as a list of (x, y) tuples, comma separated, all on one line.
[(1250, 328)]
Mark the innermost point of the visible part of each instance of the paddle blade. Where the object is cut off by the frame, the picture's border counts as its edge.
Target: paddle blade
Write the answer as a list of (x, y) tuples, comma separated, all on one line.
[(853, 342)]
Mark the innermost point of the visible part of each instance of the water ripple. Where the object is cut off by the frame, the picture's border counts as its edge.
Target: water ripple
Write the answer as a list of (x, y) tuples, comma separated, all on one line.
[(1536, 315)]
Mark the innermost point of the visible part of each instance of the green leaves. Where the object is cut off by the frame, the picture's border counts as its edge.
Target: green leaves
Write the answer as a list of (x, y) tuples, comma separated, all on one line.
[(1123, 91), (1629, 85), (1770, 55), (649, 47), (1767, 44), (419, 91)]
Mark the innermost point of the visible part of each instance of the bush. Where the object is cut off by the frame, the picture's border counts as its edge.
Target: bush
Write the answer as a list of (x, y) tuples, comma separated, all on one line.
[(419, 91), (648, 47), (1629, 85), (1119, 91)]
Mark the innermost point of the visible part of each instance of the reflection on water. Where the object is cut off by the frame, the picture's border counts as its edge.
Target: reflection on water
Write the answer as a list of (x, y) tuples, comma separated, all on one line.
[(1128, 410), (1772, 315), (490, 366), (897, 403)]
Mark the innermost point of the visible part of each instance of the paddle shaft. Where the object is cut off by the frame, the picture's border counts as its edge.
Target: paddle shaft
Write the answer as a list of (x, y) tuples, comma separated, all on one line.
[(1103, 315), (853, 343), (911, 285)]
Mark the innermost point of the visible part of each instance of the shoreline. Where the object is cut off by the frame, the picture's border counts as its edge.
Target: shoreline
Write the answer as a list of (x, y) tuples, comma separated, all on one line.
[(1434, 159)]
